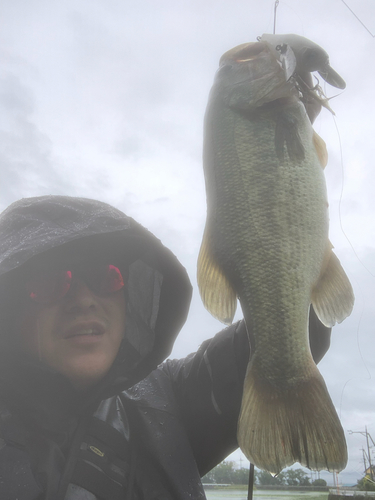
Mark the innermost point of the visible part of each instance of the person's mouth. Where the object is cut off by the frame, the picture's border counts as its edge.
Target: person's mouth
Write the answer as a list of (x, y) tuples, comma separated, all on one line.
[(85, 330)]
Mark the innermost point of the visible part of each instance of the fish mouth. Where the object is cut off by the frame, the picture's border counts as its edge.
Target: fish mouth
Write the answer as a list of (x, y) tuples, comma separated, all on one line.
[(88, 329), (244, 52), (251, 52), (246, 60)]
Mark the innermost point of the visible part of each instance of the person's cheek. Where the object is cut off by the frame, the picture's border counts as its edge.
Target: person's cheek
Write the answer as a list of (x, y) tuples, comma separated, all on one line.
[(27, 334)]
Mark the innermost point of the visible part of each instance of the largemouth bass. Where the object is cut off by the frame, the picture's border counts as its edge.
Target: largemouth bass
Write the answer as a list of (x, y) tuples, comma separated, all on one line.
[(266, 242)]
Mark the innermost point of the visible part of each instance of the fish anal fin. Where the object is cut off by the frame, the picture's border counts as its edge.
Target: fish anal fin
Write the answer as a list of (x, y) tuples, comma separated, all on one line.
[(321, 149), (332, 296), (218, 295), (277, 427)]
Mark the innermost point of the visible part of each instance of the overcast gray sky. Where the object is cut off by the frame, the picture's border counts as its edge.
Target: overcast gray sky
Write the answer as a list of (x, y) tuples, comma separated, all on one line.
[(105, 99)]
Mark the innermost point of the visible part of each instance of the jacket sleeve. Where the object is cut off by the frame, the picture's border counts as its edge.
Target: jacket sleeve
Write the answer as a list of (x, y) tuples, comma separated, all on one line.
[(208, 388)]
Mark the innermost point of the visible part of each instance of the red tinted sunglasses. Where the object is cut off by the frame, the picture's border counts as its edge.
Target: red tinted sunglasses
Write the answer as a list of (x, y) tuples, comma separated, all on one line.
[(50, 286)]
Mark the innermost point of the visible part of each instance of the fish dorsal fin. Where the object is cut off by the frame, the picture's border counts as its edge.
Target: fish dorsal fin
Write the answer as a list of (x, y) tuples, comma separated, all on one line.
[(321, 149), (218, 295), (332, 296)]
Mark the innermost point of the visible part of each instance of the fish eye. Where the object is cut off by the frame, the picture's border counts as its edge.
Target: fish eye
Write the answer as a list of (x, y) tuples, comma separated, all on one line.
[(314, 59), (310, 54)]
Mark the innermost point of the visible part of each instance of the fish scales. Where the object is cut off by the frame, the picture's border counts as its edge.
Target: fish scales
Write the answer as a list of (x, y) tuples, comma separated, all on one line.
[(266, 242), (282, 231)]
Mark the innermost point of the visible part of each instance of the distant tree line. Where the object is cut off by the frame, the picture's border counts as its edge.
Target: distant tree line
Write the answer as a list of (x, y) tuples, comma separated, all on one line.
[(366, 483), (228, 473)]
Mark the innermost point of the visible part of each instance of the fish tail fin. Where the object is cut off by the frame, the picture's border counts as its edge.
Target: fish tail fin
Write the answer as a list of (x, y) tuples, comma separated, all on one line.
[(277, 428)]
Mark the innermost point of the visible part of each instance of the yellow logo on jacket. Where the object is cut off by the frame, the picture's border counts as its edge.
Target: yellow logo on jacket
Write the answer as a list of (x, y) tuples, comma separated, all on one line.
[(97, 451)]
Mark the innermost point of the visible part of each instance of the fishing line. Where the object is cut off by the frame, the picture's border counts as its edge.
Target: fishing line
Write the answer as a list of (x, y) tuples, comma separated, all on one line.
[(361, 356), (358, 19), (341, 197), (359, 260), (295, 12), (274, 15)]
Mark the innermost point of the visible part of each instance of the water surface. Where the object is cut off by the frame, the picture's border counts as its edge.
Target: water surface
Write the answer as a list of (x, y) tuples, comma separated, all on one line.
[(266, 495)]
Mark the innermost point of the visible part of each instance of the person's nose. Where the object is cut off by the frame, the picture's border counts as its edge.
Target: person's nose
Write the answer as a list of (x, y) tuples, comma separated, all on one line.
[(80, 297)]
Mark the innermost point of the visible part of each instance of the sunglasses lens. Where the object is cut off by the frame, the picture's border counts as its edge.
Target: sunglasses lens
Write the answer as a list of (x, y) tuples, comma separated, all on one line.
[(106, 279), (49, 287)]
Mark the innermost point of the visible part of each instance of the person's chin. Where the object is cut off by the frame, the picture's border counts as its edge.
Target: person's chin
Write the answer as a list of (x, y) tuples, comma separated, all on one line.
[(85, 379), (85, 370)]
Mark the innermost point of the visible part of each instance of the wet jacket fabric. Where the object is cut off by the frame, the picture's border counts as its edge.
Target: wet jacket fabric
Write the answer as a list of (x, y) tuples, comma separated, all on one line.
[(153, 441), (150, 428)]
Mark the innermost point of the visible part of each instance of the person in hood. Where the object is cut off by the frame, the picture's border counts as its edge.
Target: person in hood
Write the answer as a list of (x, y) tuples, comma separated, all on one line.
[(90, 305)]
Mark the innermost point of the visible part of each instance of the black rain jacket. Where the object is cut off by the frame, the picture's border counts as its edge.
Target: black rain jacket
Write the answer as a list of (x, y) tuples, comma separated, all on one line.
[(146, 431)]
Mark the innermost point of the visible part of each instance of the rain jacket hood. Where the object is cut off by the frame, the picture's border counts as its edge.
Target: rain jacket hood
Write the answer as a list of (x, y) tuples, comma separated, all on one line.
[(158, 289)]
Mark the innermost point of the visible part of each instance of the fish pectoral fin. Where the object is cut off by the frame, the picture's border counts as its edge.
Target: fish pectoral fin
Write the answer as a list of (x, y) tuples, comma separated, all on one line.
[(333, 296), (287, 132), (321, 149), (218, 295), (280, 426)]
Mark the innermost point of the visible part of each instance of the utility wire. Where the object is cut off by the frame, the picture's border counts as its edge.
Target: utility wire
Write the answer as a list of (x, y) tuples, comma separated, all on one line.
[(355, 15)]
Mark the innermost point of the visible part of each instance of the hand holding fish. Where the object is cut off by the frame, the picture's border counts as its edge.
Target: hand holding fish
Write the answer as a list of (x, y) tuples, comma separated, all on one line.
[(266, 242)]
